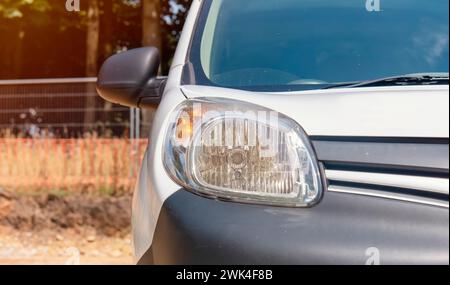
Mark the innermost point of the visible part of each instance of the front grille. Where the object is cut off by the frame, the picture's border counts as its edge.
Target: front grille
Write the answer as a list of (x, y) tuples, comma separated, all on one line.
[(413, 170)]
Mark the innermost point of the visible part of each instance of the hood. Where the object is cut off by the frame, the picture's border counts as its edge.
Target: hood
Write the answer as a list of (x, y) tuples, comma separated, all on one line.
[(404, 111)]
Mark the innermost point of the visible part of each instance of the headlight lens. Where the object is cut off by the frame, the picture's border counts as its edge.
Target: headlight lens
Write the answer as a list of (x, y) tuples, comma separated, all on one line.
[(238, 151)]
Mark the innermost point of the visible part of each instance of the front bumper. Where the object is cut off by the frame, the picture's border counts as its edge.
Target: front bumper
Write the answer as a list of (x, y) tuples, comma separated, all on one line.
[(342, 229)]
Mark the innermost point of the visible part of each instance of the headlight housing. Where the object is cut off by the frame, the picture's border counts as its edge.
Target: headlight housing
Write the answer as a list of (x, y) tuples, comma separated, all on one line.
[(232, 150)]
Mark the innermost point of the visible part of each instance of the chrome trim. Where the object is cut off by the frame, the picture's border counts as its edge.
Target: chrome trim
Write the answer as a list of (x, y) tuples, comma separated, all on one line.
[(428, 184), (388, 195)]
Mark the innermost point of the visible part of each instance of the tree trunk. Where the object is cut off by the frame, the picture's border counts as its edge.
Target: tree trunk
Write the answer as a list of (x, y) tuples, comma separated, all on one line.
[(151, 36), (151, 32), (92, 45), (18, 55), (107, 38)]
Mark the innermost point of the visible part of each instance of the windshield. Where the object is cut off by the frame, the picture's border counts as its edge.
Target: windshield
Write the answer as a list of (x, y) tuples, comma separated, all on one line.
[(311, 44)]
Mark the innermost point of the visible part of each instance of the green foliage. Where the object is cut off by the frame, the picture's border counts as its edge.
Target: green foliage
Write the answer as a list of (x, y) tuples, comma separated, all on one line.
[(11, 9)]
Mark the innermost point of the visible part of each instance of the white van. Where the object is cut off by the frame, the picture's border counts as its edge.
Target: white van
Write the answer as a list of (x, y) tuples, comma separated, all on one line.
[(294, 132)]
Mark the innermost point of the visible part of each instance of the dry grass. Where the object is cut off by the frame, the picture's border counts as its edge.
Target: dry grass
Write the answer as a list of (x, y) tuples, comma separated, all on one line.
[(104, 165)]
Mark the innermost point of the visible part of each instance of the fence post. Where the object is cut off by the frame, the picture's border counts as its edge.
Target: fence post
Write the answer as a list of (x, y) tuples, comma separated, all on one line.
[(131, 124), (135, 122), (138, 125)]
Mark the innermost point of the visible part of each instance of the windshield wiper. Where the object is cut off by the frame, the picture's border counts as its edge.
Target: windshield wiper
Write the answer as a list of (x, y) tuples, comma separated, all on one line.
[(402, 80)]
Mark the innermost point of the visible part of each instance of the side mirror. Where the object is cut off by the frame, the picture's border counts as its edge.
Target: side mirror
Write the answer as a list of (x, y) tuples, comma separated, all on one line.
[(130, 78)]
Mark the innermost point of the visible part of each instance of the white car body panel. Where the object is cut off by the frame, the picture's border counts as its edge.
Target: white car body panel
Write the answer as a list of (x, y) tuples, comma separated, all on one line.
[(354, 112), (154, 185)]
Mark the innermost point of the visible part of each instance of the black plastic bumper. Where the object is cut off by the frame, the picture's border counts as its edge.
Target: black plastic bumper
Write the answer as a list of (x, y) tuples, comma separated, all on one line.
[(340, 230)]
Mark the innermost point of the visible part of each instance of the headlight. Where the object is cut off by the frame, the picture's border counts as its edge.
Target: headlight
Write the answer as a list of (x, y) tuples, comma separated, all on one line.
[(237, 151)]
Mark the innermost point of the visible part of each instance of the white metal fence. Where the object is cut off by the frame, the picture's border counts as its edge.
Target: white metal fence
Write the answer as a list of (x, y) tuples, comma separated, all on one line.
[(62, 108)]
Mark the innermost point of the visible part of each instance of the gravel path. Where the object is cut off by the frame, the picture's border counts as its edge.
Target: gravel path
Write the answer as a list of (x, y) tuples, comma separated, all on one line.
[(62, 248)]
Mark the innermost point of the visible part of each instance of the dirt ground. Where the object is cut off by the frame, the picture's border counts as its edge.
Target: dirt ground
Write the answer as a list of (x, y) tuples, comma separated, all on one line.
[(74, 229), (67, 248)]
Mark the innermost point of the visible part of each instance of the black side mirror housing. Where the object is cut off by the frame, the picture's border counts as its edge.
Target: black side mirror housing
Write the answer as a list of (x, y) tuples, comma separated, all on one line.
[(130, 78)]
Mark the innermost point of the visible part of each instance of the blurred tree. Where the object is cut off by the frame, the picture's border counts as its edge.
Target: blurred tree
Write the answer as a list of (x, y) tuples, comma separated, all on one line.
[(151, 30), (13, 10), (92, 37), (151, 36), (26, 26), (162, 22), (173, 15), (92, 46), (39, 38)]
